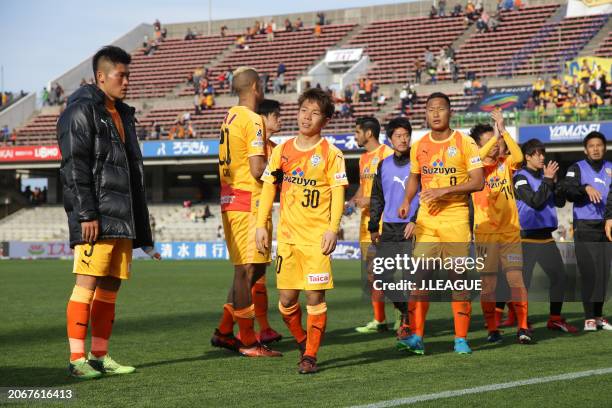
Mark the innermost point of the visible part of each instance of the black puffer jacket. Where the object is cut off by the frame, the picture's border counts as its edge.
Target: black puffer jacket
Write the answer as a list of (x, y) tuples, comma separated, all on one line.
[(103, 178)]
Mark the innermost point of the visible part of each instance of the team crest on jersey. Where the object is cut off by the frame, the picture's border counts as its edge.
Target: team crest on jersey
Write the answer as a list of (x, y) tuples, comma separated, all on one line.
[(451, 152), (315, 160), (297, 172), (500, 167)]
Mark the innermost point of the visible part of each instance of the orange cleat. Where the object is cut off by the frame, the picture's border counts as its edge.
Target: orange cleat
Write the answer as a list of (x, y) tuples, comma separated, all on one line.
[(259, 350), (308, 365), (268, 336), (226, 341)]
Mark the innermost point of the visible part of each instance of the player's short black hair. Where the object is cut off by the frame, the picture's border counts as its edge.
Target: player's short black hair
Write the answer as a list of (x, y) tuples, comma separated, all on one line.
[(268, 106), (111, 53), (322, 98), (594, 135), (533, 146), (439, 95), (396, 123), (477, 131), (369, 123)]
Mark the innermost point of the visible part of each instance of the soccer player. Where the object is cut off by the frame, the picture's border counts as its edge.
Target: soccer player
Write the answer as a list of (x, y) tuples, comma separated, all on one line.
[(270, 111), (104, 197), (387, 194), (312, 176), (242, 160), (496, 224), (538, 194), (367, 131), (587, 184), (448, 168)]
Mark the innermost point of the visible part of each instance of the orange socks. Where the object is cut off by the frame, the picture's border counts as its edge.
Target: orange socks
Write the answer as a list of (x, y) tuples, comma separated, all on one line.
[(462, 312), (315, 329), (260, 300), (226, 325), (520, 306), (378, 305), (245, 319), (292, 316), (488, 310), (102, 318), (77, 318), (417, 313)]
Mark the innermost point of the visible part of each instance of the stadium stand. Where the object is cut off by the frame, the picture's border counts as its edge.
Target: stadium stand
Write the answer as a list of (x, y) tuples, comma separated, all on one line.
[(605, 49), (459, 103), (157, 74), (393, 45)]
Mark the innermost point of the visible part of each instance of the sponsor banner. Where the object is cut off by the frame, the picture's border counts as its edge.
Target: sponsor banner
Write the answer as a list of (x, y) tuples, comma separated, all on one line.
[(180, 148), (572, 68), (168, 250), (564, 133), (577, 8), (507, 98), (343, 55), (30, 153)]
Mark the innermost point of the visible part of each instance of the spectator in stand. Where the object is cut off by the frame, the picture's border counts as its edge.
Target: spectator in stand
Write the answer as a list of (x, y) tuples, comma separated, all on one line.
[(156, 131), (210, 101), (457, 10), (482, 25), (5, 132), (493, 22), (467, 87), (479, 6), (190, 35), (59, 94), (530, 104), (454, 69), (45, 96), (441, 8), (538, 87), (164, 34), (369, 89), (433, 12), (157, 25), (13, 137), (223, 31), (418, 69), (318, 30), (470, 13), (288, 25), (240, 42), (348, 94), (279, 84), (265, 78), (321, 18), (381, 100), (145, 41), (299, 24), (270, 30), (281, 69), (428, 57)]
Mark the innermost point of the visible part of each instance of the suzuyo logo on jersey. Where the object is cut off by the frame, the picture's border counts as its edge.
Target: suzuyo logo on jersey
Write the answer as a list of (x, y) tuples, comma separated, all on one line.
[(297, 177), (495, 181), (437, 167)]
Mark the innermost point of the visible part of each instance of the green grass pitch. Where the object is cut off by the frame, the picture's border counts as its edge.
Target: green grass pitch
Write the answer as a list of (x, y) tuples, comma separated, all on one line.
[(167, 311)]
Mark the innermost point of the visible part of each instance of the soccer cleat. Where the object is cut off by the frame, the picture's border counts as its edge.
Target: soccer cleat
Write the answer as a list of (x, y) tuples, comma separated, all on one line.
[(412, 343), (403, 332), (590, 325), (82, 370), (495, 337), (308, 365), (268, 336), (259, 350), (106, 365), (226, 341), (372, 327), (462, 346), (603, 324), (523, 336), (560, 325)]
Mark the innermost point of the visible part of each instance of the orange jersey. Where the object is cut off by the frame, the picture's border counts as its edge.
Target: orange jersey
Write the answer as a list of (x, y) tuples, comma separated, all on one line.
[(442, 164), (368, 166), (242, 136), (305, 199), (495, 209)]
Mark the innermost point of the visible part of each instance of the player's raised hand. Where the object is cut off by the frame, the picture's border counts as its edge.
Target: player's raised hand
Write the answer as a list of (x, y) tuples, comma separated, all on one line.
[(594, 194), (551, 169), (261, 240), (89, 231), (404, 209), (498, 119), (609, 229), (328, 243), (409, 230)]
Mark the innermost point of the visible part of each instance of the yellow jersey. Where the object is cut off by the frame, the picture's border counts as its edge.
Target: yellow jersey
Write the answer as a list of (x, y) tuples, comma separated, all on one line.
[(368, 166), (444, 163), (305, 195), (495, 209), (242, 136)]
